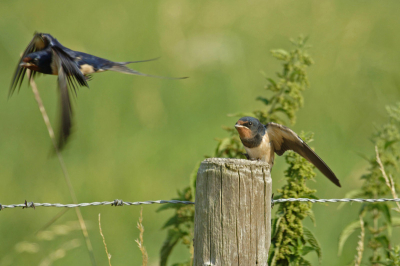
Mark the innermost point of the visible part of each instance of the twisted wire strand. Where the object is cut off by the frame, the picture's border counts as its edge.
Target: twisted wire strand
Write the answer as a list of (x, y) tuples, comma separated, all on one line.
[(97, 203), (332, 200), (121, 203)]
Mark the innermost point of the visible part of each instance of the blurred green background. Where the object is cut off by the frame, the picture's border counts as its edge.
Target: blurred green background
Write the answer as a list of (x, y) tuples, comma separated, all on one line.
[(138, 138)]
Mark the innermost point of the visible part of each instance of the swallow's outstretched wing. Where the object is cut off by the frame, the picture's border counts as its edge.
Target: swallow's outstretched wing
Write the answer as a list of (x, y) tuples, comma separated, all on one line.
[(68, 75), (70, 68), (38, 43), (65, 105), (284, 139), (42, 41)]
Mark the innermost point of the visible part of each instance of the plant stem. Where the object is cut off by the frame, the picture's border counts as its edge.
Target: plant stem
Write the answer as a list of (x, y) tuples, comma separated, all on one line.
[(63, 168)]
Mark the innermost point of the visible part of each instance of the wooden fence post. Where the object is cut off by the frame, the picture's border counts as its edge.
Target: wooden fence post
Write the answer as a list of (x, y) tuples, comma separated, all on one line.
[(232, 223)]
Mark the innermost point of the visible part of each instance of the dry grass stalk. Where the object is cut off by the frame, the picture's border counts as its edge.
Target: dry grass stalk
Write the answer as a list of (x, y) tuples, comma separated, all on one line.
[(140, 240), (360, 244), (389, 182), (63, 167), (104, 242)]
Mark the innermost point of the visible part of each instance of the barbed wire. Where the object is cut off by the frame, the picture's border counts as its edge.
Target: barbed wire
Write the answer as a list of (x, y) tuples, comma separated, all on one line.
[(332, 200), (117, 202), (96, 203)]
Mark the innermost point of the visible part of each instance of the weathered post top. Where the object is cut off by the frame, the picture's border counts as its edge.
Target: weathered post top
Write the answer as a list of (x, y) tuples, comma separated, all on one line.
[(232, 212)]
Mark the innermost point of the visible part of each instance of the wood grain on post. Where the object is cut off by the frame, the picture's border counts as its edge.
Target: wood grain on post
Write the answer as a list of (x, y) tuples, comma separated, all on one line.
[(232, 212)]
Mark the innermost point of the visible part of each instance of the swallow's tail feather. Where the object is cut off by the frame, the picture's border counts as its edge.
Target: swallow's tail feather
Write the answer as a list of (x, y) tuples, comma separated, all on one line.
[(140, 61), (120, 67)]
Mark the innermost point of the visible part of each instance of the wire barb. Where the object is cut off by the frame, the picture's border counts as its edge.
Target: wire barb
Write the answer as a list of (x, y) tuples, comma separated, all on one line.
[(117, 202), (29, 205)]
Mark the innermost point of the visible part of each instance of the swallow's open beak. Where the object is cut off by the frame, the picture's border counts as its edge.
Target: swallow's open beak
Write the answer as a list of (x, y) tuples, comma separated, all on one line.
[(29, 65), (24, 64), (239, 124), (243, 131)]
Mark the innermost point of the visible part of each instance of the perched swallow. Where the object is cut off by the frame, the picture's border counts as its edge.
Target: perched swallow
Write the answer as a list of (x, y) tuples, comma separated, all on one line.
[(46, 55), (262, 141)]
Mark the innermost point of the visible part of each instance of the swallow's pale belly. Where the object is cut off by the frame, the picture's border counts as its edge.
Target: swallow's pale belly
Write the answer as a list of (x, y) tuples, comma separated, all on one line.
[(263, 152)]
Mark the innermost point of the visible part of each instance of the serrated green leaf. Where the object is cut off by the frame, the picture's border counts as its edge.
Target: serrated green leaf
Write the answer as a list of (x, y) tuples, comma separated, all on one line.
[(311, 215), (223, 144), (274, 226), (307, 249), (384, 208), (262, 99), (384, 241), (172, 239), (312, 196), (347, 231), (304, 262), (280, 109), (272, 82), (310, 238), (174, 220), (280, 54), (389, 143)]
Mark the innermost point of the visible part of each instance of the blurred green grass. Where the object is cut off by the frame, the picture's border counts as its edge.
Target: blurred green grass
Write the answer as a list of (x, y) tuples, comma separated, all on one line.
[(138, 138)]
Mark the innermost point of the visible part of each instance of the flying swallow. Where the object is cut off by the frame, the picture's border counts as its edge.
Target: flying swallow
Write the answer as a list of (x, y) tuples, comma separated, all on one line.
[(261, 142), (46, 55)]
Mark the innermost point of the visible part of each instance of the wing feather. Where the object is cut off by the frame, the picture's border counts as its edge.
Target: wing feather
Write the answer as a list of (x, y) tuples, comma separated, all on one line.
[(68, 74), (65, 105), (284, 139), (73, 74), (37, 43)]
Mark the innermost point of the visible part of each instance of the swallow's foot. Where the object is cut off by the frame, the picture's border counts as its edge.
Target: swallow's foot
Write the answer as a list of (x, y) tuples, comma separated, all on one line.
[(247, 156), (88, 77)]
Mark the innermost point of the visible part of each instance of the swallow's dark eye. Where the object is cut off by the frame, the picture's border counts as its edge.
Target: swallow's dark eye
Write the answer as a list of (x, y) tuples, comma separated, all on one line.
[(250, 123), (36, 60)]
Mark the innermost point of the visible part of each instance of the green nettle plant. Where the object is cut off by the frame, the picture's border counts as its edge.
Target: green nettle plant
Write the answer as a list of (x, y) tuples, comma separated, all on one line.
[(393, 258), (379, 183), (290, 240)]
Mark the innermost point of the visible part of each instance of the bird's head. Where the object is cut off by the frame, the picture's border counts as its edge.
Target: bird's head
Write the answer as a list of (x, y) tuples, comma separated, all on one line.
[(249, 127), (38, 61)]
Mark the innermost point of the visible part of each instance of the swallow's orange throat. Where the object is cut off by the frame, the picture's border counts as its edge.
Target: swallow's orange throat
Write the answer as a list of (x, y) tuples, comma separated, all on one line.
[(244, 132)]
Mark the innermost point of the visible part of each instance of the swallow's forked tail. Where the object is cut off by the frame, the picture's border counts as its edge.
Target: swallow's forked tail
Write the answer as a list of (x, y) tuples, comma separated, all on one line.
[(140, 61), (120, 67)]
